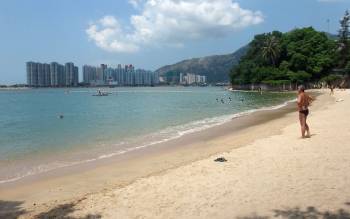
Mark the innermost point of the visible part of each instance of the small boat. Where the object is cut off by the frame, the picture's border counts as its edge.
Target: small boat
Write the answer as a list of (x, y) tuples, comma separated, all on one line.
[(101, 94)]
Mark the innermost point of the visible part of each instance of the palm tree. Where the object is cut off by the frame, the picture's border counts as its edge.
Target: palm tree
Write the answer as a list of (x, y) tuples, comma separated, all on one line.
[(271, 49)]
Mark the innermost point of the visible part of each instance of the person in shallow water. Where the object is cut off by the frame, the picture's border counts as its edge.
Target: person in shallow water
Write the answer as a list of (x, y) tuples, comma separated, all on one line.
[(303, 102)]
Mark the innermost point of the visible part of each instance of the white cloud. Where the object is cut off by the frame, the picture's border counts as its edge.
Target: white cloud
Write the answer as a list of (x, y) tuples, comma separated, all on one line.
[(171, 22), (136, 3), (108, 35)]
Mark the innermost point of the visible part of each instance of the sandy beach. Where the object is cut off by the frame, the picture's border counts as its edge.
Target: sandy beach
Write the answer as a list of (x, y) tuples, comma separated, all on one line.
[(270, 171)]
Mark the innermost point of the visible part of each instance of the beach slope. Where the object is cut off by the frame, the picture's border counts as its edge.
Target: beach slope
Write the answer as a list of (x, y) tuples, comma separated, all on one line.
[(280, 175)]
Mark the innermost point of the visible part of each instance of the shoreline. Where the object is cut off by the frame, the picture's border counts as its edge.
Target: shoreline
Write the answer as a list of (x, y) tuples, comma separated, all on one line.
[(206, 123), (117, 173)]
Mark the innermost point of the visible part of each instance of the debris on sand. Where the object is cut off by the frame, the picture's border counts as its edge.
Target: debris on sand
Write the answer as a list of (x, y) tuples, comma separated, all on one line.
[(220, 159)]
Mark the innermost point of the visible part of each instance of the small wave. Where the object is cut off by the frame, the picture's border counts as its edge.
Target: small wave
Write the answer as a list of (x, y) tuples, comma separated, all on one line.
[(165, 135)]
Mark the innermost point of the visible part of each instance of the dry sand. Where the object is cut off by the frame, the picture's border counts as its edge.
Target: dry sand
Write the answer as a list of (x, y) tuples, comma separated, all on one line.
[(273, 175)]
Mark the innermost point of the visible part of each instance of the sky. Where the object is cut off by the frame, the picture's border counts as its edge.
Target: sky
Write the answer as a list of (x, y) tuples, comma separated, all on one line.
[(146, 33)]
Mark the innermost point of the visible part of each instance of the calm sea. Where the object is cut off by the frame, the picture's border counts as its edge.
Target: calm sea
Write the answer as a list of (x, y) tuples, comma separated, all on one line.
[(34, 139)]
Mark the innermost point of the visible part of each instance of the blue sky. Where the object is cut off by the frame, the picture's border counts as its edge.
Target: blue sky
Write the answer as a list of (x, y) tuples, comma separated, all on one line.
[(146, 33)]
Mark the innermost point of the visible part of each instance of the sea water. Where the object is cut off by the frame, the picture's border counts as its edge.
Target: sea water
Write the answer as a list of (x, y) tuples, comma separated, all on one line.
[(46, 129)]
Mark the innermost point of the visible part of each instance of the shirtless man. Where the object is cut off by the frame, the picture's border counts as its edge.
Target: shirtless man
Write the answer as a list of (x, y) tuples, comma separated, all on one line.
[(304, 101)]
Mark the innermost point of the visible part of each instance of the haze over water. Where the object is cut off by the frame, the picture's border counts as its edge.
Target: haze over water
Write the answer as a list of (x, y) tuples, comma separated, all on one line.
[(34, 139)]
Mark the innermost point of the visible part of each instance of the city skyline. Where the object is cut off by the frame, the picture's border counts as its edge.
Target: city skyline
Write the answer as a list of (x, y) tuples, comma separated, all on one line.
[(120, 75), (111, 32), (57, 75)]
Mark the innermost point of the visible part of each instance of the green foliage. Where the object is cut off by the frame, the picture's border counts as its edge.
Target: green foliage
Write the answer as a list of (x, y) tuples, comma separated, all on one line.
[(347, 68), (299, 77), (284, 66), (330, 79), (297, 56), (271, 49)]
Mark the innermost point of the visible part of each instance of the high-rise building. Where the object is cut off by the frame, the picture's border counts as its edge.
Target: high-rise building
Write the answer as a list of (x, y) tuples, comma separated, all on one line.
[(189, 79), (69, 74), (110, 75), (41, 75), (101, 77), (32, 74), (121, 76), (76, 76), (147, 78), (89, 74), (103, 67), (182, 81), (53, 74), (138, 77), (61, 75), (95, 75), (29, 70), (47, 75), (155, 78)]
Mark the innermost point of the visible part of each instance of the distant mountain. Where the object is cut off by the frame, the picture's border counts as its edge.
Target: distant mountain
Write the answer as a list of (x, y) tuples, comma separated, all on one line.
[(216, 67)]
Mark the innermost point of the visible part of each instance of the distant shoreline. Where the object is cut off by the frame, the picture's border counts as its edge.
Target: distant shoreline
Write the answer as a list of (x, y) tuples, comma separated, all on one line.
[(14, 88)]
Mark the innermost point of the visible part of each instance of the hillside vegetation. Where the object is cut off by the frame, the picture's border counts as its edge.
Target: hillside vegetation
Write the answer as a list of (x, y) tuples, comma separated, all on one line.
[(300, 56)]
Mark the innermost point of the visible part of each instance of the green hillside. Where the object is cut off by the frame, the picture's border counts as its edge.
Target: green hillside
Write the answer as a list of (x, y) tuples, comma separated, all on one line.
[(216, 67)]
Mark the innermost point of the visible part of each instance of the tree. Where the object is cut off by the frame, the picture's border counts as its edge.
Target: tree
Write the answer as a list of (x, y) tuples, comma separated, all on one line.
[(331, 79), (344, 47), (299, 77), (271, 49), (284, 66), (347, 69), (308, 53), (298, 61)]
